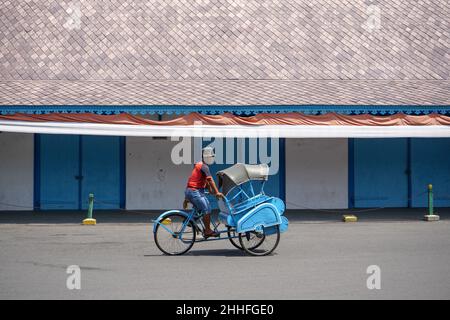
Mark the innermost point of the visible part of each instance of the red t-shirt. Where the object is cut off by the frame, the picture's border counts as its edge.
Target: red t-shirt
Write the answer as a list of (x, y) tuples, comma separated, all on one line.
[(199, 175)]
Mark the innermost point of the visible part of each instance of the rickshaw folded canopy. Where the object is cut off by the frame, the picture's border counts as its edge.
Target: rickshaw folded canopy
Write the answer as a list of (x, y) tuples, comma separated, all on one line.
[(241, 173)]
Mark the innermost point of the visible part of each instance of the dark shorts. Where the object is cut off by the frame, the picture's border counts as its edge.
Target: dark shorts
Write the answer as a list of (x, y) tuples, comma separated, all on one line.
[(198, 199)]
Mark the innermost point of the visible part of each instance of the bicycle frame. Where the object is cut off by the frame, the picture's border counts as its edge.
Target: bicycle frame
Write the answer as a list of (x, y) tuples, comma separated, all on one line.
[(251, 201), (189, 217)]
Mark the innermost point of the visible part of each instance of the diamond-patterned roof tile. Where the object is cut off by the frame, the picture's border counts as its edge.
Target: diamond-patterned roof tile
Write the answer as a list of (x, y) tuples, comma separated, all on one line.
[(169, 49)]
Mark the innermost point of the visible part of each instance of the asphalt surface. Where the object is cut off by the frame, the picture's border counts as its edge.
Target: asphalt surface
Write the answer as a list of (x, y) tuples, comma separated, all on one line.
[(318, 258)]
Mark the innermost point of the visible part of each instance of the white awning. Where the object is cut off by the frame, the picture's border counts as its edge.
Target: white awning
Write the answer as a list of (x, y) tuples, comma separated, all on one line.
[(282, 131)]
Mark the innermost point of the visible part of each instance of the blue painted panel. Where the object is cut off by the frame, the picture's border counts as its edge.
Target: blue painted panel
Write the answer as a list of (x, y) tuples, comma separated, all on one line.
[(380, 173), (37, 172), (101, 167), (351, 173), (58, 165), (284, 224), (263, 215), (430, 163)]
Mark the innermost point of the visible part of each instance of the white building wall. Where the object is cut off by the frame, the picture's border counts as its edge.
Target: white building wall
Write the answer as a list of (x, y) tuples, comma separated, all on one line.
[(317, 173), (16, 171), (153, 181)]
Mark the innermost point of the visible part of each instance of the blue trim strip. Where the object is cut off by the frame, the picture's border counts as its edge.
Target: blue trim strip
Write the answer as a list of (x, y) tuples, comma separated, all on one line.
[(351, 173), (122, 165), (240, 110), (80, 171), (408, 170), (282, 169), (37, 172)]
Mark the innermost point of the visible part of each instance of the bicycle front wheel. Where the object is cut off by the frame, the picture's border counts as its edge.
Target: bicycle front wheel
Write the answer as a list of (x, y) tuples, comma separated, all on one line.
[(174, 235)]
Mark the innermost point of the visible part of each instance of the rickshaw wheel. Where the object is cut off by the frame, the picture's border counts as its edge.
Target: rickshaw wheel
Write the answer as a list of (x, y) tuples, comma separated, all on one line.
[(236, 243), (164, 240), (265, 247)]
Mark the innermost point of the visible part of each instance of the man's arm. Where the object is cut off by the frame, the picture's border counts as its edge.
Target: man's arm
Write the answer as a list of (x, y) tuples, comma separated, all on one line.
[(210, 182), (213, 188)]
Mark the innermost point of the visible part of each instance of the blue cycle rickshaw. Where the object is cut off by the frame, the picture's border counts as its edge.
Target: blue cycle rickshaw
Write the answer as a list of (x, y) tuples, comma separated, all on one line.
[(253, 220)]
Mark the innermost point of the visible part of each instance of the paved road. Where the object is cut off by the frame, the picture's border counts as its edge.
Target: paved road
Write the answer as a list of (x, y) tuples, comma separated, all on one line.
[(315, 260)]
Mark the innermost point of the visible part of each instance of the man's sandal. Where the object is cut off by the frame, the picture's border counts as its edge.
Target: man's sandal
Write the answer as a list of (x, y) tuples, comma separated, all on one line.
[(213, 234)]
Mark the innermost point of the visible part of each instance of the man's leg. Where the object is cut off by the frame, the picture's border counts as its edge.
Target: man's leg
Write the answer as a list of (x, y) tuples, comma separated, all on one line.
[(201, 203), (207, 223), (207, 218)]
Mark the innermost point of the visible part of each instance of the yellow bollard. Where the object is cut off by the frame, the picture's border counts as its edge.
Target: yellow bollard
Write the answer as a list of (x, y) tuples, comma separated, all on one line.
[(349, 218), (89, 220)]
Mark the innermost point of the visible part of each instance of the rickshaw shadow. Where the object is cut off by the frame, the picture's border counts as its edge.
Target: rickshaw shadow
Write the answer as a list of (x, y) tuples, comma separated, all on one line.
[(212, 253), (218, 252)]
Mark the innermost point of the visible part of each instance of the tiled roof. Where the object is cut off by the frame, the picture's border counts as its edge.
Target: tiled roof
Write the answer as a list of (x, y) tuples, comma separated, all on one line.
[(224, 52), (218, 92)]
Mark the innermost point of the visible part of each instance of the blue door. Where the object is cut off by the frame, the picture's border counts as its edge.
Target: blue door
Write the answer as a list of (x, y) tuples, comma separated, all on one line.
[(58, 160), (101, 167), (71, 167), (430, 163), (380, 173)]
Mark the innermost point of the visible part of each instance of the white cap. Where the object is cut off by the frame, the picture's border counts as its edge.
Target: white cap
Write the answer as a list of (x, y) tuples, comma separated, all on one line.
[(208, 155), (208, 152)]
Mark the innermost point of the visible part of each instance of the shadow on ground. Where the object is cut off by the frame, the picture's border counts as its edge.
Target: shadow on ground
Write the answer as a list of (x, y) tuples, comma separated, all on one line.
[(208, 253), (294, 216)]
